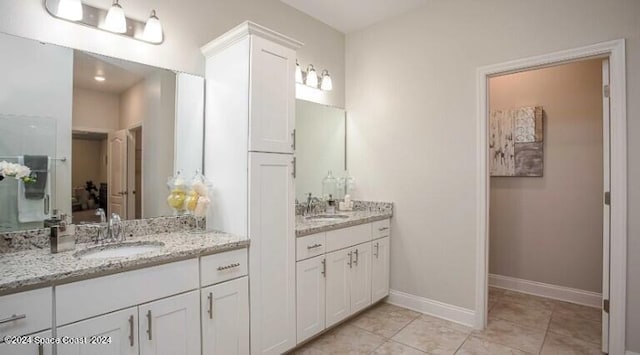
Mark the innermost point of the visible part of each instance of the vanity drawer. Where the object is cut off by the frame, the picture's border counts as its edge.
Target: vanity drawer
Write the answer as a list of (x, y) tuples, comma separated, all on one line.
[(223, 266), (347, 237), (381, 229), (310, 246), (26, 312)]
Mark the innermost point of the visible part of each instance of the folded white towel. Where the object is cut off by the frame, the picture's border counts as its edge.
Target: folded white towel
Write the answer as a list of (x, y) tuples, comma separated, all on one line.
[(33, 210)]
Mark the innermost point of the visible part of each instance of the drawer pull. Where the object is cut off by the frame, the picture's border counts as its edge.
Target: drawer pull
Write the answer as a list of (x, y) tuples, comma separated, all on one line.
[(324, 268), (131, 335), (210, 310), (314, 246), (230, 266), (383, 229), (350, 263), (149, 324), (13, 318), (377, 250), (356, 261)]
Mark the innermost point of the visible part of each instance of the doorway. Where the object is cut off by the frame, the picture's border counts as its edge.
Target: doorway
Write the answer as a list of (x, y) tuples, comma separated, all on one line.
[(614, 252)]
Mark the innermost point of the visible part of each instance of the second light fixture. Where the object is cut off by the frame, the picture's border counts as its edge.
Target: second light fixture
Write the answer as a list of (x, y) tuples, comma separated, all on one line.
[(310, 78)]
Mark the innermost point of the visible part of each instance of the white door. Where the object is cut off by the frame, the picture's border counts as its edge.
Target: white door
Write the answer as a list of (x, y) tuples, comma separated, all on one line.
[(272, 115), (272, 266), (117, 172), (338, 305), (380, 269), (224, 312), (606, 207), (361, 277), (121, 328), (170, 326), (310, 296), (28, 349)]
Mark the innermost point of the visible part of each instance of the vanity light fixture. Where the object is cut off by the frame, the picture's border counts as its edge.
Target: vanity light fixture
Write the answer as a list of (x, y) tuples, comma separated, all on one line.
[(99, 78), (115, 20), (112, 20), (312, 77), (153, 29), (325, 81), (298, 73), (70, 9)]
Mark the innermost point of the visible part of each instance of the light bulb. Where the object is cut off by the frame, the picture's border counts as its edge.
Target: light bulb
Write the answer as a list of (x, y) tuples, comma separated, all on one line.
[(298, 73), (99, 78), (153, 29), (115, 20), (325, 82), (312, 77), (70, 10)]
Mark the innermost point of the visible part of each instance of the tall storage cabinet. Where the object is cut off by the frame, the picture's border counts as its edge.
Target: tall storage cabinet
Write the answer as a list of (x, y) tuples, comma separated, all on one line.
[(249, 136)]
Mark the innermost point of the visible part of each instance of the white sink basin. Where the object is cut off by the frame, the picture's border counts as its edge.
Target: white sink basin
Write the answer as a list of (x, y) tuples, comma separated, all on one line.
[(120, 250)]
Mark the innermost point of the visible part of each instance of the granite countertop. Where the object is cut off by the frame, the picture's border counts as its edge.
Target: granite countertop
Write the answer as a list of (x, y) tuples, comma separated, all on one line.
[(39, 268), (306, 226)]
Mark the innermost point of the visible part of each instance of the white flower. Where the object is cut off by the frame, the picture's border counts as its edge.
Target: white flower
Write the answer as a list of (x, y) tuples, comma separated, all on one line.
[(14, 170)]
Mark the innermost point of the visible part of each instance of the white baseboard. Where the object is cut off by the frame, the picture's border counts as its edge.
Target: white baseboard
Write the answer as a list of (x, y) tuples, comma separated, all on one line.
[(629, 352), (431, 307), (561, 293)]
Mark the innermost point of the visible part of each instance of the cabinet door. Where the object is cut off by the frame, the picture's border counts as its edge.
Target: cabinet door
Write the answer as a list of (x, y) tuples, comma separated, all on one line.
[(272, 267), (170, 326), (121, 327), (379, 269), (225, 318), (272, 112), (28, 349), (338, 305), (310, 297), (361, 277)]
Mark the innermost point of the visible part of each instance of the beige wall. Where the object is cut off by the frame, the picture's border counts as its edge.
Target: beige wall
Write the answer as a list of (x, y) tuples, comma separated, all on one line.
[(411, 104), (87, 162), (549, 229), (187, 26), (134, 105), (95, 110)]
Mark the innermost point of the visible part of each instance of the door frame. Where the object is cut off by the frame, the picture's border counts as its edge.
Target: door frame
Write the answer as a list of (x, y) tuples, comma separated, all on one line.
[(615, 51)]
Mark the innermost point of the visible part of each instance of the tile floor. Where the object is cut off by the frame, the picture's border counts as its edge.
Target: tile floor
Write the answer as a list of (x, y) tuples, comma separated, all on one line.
[(518, 324)]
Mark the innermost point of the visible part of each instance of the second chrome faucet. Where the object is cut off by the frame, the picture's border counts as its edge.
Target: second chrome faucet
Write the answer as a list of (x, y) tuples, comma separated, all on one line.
[(109, 232)]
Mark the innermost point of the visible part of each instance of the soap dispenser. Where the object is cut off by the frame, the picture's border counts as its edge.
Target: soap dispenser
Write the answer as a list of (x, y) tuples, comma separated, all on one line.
[(63, 235)]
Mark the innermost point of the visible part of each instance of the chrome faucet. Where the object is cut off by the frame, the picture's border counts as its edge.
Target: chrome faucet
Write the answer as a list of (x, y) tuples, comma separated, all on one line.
[(312, 202), (109, 232)]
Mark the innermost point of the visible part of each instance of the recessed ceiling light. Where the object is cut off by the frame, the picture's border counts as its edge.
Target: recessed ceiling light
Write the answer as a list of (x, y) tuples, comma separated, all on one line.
[(99, 78)]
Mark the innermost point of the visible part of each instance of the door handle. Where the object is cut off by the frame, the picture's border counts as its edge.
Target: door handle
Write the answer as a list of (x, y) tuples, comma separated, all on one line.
[(350, 260), (40, 349), (377, 246), (356, 261), (149, 324), (293, 173), (324, 268), (210, 310), (131, 331), (293, 138)]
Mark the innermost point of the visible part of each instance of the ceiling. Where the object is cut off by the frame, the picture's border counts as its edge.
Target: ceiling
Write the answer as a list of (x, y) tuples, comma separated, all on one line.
[(353, 15), (119, 74)]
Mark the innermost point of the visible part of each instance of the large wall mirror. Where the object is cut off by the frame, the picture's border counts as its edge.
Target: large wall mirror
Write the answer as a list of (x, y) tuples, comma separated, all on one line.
[(98, 132), (320, 146)]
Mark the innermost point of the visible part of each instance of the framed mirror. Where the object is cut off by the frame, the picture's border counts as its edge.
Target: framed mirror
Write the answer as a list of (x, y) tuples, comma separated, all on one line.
[(321, 139), (96, 132)]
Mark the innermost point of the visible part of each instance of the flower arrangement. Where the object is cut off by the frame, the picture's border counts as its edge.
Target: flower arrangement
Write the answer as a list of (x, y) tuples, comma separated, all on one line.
[(17, 171)]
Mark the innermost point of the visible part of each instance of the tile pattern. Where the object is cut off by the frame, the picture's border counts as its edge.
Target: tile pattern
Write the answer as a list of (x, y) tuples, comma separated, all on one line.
[(519, 324)]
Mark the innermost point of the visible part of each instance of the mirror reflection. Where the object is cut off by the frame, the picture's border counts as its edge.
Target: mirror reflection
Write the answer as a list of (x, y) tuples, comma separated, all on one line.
[(96, 133), (320, 150)]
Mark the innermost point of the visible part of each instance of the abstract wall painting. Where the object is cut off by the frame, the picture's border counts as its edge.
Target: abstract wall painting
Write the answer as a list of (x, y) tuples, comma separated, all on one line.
[(516, 142)]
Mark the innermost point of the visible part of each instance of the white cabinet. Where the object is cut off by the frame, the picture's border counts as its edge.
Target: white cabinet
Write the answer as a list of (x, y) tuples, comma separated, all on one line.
[(28, 349), (225, 318), (250, 108), (272, 116), (379, 269), (310, 285), (26, 312), (272, 254), (120, 328), (339, 265), (170, 326), (360, 277)]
